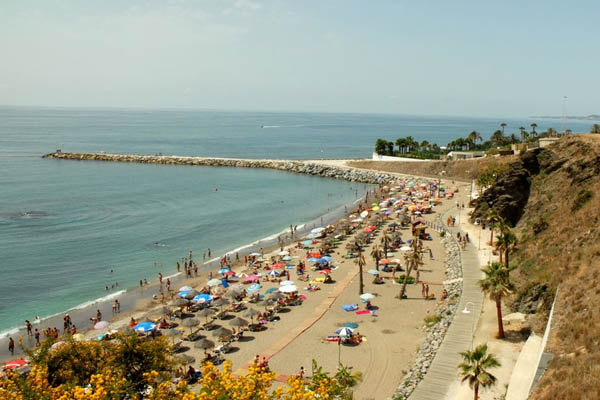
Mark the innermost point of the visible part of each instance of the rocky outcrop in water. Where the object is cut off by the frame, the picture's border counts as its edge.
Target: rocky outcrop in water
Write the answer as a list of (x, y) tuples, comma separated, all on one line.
[(301, 167)]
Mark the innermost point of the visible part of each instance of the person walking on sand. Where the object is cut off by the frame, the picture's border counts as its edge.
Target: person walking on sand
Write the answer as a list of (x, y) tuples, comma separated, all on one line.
[(422, 289), (427, 291), (36, 334), (28, 326), (11, 346)]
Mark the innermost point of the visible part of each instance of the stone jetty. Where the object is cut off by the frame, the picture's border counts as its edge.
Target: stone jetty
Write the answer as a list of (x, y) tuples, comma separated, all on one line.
[(300, 167)]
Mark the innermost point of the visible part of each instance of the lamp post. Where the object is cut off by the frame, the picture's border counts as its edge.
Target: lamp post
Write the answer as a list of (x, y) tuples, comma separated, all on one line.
[(472, 311)]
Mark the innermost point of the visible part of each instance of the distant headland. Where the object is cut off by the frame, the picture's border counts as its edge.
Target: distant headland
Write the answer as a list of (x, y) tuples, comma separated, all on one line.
[(591, 117)]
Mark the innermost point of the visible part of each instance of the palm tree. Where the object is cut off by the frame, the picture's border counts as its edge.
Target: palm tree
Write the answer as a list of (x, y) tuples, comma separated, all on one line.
[(413, 259), (425, 145), (493, 218), (475, 366), (506, 242), (401, 142), (568, 131), (533, 126), (497, 284), (595, 128), (475, 136), (503, 125), (360, 261), (376, 253), (386, 241), (497, 138)]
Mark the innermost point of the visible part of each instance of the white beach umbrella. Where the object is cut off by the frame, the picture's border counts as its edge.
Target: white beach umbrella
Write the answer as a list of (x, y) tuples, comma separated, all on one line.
[(286, 283), (288, 289), (367, 296)]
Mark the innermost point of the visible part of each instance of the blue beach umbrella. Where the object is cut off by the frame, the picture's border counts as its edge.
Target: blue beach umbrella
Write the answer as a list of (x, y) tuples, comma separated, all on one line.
[(255, 287), (345, 331), (144, 327), (327, 258), (307, 243), (312, 259), (202, 298), (223, 271), (274, 273), (322, 260), (183, 293)]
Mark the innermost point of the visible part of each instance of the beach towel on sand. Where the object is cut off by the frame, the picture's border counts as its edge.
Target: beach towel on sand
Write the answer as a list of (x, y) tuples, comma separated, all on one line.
[(350, 307), (363, 312)]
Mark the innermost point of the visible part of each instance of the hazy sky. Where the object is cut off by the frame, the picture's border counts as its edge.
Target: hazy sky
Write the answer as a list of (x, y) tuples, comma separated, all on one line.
[(480, 58)]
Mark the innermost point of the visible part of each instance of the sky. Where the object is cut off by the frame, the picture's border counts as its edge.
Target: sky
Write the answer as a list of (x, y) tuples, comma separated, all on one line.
[(464, 58)]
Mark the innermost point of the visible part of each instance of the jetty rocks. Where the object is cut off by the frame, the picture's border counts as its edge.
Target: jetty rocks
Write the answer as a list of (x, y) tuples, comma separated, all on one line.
[(300, 167)]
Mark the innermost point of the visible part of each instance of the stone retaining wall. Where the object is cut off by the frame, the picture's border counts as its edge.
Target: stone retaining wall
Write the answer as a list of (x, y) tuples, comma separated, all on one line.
[(301, 167)]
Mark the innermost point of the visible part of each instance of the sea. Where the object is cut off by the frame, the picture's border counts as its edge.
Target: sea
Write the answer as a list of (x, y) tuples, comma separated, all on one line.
[(73, 233)]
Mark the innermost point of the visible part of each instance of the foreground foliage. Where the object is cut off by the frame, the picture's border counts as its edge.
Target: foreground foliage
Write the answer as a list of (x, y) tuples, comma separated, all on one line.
[(131, 367)]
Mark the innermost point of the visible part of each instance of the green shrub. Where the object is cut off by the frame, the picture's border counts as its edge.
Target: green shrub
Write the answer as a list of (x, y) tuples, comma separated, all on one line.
[(401, 279), (431, 320)]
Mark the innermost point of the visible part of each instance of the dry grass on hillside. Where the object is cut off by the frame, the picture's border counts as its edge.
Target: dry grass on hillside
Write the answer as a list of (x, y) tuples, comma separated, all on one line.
[(564, 208), (462, 170)]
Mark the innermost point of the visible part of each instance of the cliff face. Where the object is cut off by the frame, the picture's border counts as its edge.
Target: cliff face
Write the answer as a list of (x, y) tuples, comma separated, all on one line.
[(552, 197)]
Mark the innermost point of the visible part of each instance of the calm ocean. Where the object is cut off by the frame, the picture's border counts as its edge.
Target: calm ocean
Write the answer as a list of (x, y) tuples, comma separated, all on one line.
[(64, 225)]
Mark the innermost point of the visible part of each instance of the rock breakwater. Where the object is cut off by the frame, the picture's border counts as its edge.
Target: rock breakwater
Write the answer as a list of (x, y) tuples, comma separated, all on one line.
[(300, 167)]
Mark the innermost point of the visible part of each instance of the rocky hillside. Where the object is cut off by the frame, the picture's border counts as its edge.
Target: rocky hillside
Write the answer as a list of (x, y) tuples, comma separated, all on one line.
[(552, 197)]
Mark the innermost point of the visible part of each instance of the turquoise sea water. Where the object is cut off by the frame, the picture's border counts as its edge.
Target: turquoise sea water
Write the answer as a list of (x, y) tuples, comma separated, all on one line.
[(65, 224)]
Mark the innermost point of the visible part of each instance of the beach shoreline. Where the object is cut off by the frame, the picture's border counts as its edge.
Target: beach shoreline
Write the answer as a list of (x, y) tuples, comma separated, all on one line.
[(134, 299)]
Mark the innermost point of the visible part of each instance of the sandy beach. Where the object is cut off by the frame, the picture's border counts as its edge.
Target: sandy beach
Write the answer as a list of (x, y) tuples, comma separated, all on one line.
[(393, 333)]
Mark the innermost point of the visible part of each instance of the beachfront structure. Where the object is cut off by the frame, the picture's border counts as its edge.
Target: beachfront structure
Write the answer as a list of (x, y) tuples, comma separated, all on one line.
[(464, 155)]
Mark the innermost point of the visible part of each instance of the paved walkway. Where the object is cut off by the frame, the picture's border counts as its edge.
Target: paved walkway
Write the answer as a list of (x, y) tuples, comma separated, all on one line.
[(443, 370)]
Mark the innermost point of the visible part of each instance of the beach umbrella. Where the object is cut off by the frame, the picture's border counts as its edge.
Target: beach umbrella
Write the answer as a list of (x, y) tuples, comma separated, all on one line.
[(288, 289), (385, 261), (273, 273), (202, 298), (185, 359), (172, 333), (278, 266), (364, 214), (312, 260), (376, 208), (229, 273), (307, 242), (367, 296), (204, 344), (345, 331), (207, 312), (325, 271), (265, 303), (78, 337), (352, 325), (239, 322), (144, 327), (250, 313), (222, 332), (276, 296), (223, 271), (255, 254), (214, 282), (322, 260), (163, 310), (15, 364), (101, 325), (221, 302), (286, 283), (317, 230), (190, 294), (255, 287), (373, 272), (180, 302), (182, 295), (185, 288)]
